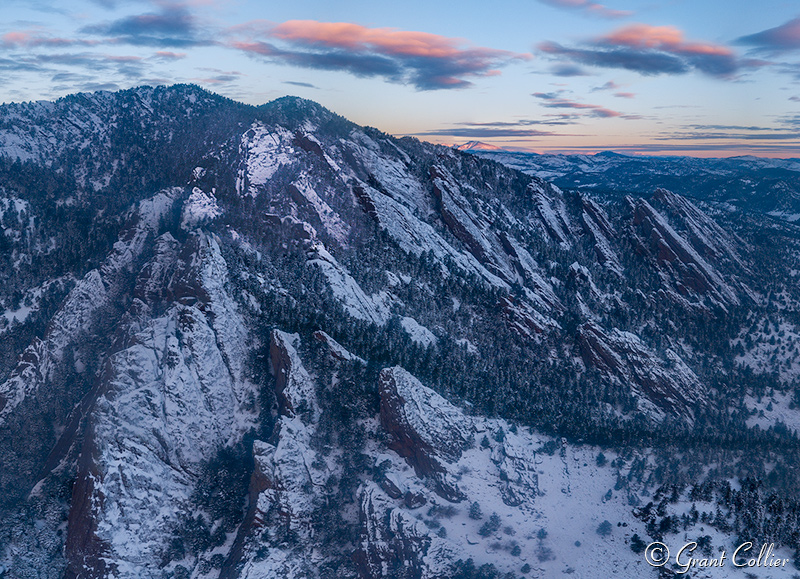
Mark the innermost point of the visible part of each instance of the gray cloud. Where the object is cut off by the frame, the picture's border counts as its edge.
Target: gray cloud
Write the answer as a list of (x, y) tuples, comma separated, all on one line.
[(554, 100), (731, 128), (567, 70), (774, 40), (646, 62), (172, 27), (298, 83), (610, 85), (218, 76), (358, 64), (519, 123), (96, 86), (168, 55), (20, 65), (737, 136), (486, 132), (651, 50)]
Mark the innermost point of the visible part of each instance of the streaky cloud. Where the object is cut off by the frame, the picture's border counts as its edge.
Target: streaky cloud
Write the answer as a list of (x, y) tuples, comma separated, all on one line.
[(555, 101), (169, 55), (300, 84), (486, 132), (736, 136), (588, 7), (36, 39), (519, 123)]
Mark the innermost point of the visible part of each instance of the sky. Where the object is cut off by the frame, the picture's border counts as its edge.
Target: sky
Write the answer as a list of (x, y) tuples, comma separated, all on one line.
[(710, 78)]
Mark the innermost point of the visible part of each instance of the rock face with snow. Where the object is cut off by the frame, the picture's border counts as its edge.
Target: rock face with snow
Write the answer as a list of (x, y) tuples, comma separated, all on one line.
[(256, 342), (425, 429), (668, 385), (424, 426), (677, 259), (167, 400), (392, 546), (289, 476)]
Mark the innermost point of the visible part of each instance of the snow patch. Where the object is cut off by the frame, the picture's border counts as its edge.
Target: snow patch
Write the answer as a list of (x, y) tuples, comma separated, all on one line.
[(264, 150), (418, 333), (200, 208), (346, 290)]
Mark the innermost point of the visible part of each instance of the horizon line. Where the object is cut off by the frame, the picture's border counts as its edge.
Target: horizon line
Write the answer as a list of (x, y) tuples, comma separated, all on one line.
[(631, 150)]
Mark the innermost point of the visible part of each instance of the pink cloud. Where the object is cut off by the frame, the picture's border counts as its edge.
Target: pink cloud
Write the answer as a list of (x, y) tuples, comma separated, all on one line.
[(428, 61), (33, 39), (167, 55), (651, 50), (346, 35), (665, 38), (590, 7)]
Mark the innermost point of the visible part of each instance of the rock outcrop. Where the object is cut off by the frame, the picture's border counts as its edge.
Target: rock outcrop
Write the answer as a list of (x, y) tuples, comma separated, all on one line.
[(425, 429)]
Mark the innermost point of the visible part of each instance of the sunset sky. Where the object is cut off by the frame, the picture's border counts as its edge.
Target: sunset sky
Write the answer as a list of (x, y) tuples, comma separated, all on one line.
[(697, 77)]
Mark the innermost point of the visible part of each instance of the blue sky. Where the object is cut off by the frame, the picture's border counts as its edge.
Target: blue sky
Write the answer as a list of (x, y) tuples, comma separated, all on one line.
[(698, 77)]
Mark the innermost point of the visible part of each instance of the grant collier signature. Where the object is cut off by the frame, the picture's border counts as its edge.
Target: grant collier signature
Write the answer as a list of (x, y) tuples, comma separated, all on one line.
[(657, 554)]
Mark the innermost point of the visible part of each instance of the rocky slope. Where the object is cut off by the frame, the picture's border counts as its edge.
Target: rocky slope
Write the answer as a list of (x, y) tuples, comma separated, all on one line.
[(266, 342)]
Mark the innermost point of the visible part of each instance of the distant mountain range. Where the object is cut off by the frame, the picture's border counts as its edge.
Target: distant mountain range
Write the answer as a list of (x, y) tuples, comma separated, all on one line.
[(265, 342), (766, 185)]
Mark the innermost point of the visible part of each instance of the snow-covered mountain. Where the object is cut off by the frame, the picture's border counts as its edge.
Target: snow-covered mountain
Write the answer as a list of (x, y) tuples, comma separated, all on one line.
[(769, 186), (477, 146), (252, 342)]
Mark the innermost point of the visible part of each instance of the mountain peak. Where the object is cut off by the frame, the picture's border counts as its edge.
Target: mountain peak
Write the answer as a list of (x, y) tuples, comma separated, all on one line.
[(476, 146), (293, 111)]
